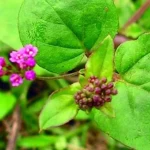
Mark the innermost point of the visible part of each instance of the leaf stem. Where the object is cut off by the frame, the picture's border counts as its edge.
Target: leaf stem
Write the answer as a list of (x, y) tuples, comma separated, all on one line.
[(137, 15), (16, 121), (58, 77)]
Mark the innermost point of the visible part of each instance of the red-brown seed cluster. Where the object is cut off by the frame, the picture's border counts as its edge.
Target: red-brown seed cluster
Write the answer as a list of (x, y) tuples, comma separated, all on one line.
[(95, 94)]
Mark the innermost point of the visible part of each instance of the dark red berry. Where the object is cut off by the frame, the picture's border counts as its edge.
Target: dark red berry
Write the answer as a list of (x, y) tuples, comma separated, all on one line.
[(107, 98), (108, 92), (96, 98), (110, 85), (104, 80), (103, 86), (95, 94), (97, 90), (114, 92), (97, 82)]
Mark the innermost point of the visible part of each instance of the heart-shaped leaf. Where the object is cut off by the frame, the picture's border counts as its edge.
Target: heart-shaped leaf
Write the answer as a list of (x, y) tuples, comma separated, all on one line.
[(64, 29), (60, 108), (133, 62), (132, 104)]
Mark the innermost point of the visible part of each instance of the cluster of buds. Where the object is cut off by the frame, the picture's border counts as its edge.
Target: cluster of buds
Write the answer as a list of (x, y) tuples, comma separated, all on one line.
[(23, 64), (95, 94)]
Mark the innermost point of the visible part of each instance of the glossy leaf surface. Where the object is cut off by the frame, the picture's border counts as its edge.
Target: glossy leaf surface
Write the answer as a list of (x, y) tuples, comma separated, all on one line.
[(132, 104), (60, 108), (63, 30)]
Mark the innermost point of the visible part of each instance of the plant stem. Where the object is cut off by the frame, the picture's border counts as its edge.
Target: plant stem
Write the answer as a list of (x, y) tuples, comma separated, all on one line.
[(58, 77), (137, 15), (119, 39), (11, 145)]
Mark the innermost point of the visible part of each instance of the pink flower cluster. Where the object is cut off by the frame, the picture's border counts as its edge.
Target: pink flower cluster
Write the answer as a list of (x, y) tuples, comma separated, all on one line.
[(24, 63), (2, 65)]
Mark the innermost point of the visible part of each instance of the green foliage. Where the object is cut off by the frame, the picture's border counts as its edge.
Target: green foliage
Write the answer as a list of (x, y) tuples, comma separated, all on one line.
[(57, 113), (63, 30), (134, 31), (132, 59), (9, 10), (108, 110), (100, 63), (7, 102), (131, 105), (36, 141), (82, 115), (131, 122), (60, 109)]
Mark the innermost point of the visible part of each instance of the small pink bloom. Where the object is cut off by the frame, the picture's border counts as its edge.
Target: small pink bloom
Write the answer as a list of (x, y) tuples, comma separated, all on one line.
[(16, 79), (30, 50), (17, 56), (30, 75), (2, 62), (23, 65), (30, 62)]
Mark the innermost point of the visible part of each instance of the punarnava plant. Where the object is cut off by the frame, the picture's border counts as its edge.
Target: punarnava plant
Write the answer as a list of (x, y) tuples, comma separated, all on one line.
[(114, 86)]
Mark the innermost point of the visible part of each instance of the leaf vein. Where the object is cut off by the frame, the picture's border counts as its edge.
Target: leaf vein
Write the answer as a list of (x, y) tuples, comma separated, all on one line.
[(131, 67), (65, 24)]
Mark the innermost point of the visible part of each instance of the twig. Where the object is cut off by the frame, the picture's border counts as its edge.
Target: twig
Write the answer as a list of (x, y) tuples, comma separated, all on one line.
[(119, 39), (58, 77), (137, 15), (12, 137)]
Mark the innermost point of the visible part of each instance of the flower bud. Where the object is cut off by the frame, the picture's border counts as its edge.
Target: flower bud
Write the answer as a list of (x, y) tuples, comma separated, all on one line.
[(2, 62), (95, 94), (30, 75)]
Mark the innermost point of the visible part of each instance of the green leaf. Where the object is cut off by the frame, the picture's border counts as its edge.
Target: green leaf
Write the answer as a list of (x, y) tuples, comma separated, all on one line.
[(108, 110), (61, 143), (37, 106), (134, 31), (133, 63), (9, 10), (100, 63), (131, 124), (36, 141), (82, 115), (60, 109), (64, 29), (7, 102)]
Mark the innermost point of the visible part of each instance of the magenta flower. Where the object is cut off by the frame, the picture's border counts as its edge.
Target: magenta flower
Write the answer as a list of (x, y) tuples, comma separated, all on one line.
[(23, 65), (24, 62), (30, 75), (30, 50), (30, 62), (17, 56), (24, 57), (16, 79), (2, 62)]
